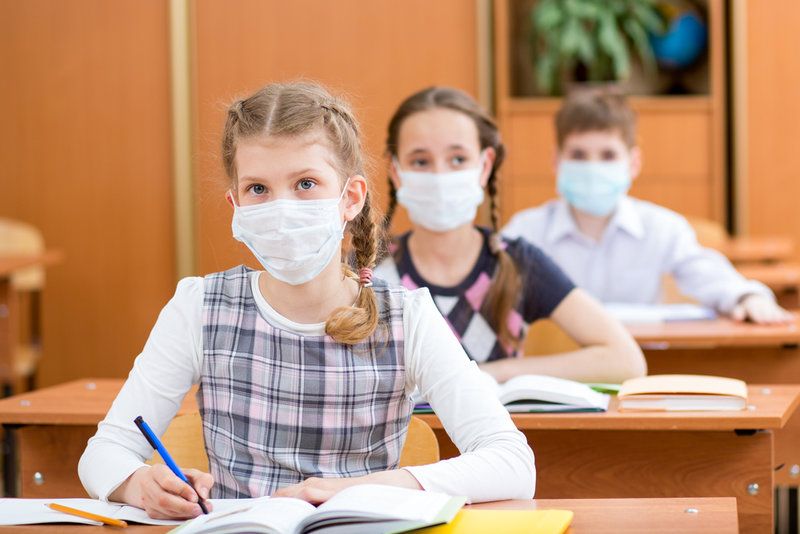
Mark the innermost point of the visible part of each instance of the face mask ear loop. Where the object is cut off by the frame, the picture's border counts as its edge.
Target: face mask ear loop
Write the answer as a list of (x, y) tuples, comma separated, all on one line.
[(233, 200)]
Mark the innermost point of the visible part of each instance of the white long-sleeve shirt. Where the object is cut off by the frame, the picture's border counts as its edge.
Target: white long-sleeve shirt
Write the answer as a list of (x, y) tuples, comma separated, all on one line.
[(642, 243), (496, 461)]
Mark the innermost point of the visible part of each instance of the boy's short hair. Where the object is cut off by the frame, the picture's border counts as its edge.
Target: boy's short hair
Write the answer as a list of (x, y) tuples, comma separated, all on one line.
[(595, 109)]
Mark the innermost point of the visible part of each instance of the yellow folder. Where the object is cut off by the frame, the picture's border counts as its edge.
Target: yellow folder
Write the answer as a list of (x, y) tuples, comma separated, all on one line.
[(506, 521)]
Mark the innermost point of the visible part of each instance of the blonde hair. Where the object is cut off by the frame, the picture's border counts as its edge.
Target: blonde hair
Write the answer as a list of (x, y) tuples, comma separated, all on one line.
[(295, 109), (504, 290), (589, 110)]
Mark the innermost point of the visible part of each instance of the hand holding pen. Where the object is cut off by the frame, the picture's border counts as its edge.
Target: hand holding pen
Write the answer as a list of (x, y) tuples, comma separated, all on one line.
[(162, 494)]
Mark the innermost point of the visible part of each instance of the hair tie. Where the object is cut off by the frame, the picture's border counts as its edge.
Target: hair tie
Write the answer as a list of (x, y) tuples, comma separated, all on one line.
[(365, 277), (496, 243)]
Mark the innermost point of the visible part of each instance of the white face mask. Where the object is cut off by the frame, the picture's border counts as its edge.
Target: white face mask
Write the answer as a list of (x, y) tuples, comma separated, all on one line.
[(293, 239), (441, 201)]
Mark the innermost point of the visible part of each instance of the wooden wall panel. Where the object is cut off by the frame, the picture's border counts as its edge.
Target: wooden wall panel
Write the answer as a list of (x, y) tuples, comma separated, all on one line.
[(771, 125), (378, 52), (85, 156)]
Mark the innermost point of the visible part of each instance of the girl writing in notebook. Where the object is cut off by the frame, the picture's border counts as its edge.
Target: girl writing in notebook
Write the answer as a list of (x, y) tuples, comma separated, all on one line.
[(305, 369), (445, 152)]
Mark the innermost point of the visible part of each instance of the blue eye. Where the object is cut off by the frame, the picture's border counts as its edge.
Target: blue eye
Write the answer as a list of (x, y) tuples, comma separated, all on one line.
[(258, 189), (306, 184)]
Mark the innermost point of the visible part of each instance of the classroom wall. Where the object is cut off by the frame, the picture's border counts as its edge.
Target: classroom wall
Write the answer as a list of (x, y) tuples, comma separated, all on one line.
[(85, 156), (376, 52), (86, 135), (769, 123)]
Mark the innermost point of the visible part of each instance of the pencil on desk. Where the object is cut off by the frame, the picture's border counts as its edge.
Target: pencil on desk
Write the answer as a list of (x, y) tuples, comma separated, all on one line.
[(87, 515)]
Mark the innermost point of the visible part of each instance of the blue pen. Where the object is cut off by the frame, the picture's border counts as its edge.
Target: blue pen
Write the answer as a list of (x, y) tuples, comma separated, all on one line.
[(154, 442)]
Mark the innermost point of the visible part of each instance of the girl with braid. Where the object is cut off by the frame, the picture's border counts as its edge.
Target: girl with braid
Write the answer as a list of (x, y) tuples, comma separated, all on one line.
[(305, 369), (445, 150)]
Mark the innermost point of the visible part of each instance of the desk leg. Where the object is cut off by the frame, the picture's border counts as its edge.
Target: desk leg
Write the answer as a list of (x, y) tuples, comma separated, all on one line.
[(586, 464)]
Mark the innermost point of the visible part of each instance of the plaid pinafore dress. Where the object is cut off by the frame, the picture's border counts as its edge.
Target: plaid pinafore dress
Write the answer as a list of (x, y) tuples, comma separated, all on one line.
[(279, 407)]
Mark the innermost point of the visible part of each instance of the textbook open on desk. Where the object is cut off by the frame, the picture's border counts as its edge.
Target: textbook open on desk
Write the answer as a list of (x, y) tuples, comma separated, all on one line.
[(539, 393), (366, 508)]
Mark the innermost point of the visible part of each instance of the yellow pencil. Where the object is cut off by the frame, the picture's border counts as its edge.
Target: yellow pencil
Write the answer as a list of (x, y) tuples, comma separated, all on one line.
[(88, 515)]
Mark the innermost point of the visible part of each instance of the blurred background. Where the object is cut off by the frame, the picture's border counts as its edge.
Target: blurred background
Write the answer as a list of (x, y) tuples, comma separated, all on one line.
[(112, 112)]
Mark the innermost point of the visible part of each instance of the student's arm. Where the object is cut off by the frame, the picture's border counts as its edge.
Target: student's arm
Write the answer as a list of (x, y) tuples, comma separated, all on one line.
[(608, 353), (709, 277), (112, 466), (496, 462)]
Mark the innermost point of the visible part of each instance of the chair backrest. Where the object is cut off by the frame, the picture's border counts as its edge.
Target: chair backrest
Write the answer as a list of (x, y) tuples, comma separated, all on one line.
[(184, 440), (19, 238), (709, 233), (421, 446), (546, 337)]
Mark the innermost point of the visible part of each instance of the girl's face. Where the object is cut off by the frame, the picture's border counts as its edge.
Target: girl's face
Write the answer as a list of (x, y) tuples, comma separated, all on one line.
[(440, 140), (296, 168)]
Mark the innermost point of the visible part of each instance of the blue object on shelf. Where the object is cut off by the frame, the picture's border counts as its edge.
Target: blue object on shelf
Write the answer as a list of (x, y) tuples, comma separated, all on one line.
[(683, 42)]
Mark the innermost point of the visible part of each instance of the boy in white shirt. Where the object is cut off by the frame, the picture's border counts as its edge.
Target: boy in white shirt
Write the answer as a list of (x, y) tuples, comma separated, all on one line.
[(617, 247)]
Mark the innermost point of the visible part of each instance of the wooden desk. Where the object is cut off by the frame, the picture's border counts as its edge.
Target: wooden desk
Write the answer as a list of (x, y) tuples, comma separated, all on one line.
[(592, 516), (782, 278), (624, 455), (46, 432), (8, 305), (750, 352), (758, 249)]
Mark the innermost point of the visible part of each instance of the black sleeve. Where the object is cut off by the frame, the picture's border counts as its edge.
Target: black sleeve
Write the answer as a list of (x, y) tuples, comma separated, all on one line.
[(544, 284)]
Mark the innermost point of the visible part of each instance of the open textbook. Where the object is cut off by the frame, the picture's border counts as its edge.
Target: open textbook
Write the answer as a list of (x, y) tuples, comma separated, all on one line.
[(365, 508), (539, 393)]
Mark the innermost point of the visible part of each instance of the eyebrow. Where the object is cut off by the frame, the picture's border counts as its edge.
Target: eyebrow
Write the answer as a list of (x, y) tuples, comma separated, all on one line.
[(425, 150), (309, 170)]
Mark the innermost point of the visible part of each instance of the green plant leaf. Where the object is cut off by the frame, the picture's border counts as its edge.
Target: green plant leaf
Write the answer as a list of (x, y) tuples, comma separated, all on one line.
[(649, 17), (546, 15), (546, 68), (638, 36), (570, 38), (613, 43)]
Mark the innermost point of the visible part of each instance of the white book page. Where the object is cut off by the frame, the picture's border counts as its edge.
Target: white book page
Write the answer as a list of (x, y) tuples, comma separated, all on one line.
[(658, 313), (277, 513), (551, 389), (33, 511), (372, 500), (137, 515)]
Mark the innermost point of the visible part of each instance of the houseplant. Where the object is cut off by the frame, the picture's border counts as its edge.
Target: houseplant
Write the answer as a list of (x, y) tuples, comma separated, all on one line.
[(591, 40)]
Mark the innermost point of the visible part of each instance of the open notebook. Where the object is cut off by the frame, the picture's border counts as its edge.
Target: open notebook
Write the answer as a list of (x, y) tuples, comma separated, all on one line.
[(539, 393)]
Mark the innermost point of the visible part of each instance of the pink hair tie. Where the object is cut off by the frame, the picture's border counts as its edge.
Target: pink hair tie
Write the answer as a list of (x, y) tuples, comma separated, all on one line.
[(365, 276)]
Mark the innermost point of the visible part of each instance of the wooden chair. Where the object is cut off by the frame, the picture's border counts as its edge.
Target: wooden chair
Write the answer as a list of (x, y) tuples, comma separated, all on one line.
[(18, 239), (546, 337), (184, 440), (709, 233), (421, 447)]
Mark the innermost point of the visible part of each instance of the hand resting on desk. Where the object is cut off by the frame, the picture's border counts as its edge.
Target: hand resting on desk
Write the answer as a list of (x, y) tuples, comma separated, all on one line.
[(761, 310)]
